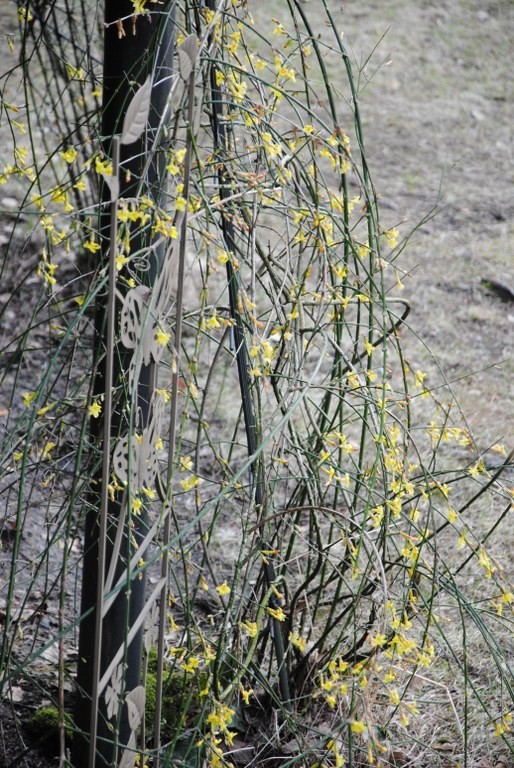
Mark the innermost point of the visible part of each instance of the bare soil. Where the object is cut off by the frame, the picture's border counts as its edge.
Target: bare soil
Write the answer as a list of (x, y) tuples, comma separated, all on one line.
[(439, 116)]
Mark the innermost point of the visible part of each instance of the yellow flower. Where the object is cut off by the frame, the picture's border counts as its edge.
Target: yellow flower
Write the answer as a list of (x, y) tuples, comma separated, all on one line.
[(220, 718), (245, 695), (162, 337), (250, 627), (73, 72), (279, 29), (121, 261), (419, 379), (282, 70), (103, 167), (277, 613), (91, 245), (174, 627), (229, 737), (485, 562), (222, 256), (213, 321), (297, 641), (190, 665), (19, 126), (139, 6), (190, 482), (392, 235), (477, 468), (357, 726), (164, 227), (223, 589), (29, 397), (47, 449), (70, 155), (270, 146), (186, 463), (95, 409), (46, 271), (24, 14), (331, 700), (236, 87), (38, 202), (363, 250)]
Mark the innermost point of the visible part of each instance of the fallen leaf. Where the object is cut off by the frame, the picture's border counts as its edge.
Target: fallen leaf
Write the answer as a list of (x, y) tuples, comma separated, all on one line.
[(17, 694)]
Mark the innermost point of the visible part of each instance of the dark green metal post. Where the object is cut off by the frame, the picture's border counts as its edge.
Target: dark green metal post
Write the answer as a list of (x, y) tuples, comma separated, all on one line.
[(134, 48)]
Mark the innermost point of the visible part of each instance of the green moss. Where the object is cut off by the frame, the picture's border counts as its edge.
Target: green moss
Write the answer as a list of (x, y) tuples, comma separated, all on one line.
[(176, 691), (179, 696), (43, 727)]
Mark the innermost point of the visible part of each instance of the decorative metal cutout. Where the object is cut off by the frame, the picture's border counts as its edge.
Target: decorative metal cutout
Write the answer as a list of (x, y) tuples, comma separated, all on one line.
[(128, 758), (187, 54), (135, 459), (152, 628), (113, 692), (143, 315), (164, 284), (137, 112), (136, 707), (139, 326), (135, 701)]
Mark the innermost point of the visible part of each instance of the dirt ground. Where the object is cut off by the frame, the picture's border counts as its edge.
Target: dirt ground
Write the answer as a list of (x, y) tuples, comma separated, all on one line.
[(439, 118), (437, 101)]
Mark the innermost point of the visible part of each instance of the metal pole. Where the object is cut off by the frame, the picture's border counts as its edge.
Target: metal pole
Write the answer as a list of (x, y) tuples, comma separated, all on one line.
[(145, 48)]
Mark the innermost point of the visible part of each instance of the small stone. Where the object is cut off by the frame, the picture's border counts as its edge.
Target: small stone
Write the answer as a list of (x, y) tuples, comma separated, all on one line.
[(10, 203)]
